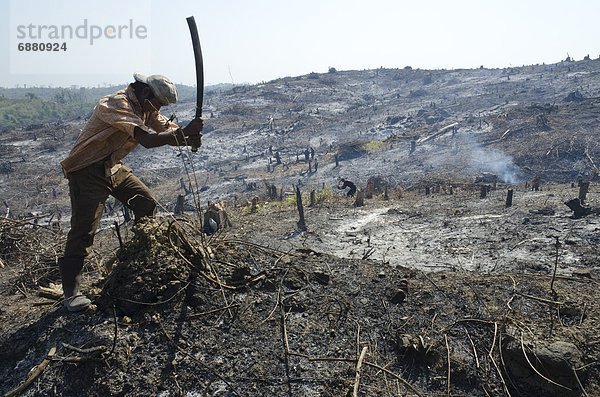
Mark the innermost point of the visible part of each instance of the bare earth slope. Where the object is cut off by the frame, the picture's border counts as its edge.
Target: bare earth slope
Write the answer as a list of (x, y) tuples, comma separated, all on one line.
[(444, 293), (292, 321)]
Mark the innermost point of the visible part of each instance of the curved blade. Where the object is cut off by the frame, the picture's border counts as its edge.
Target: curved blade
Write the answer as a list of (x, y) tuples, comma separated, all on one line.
[(199, 66)]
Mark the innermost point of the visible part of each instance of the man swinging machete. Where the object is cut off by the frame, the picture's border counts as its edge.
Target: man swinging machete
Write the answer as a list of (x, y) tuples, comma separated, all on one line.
[(94, 169)]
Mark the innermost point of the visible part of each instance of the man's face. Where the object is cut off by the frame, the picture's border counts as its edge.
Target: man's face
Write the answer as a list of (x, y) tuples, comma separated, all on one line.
[(155, 103), (150, 104)]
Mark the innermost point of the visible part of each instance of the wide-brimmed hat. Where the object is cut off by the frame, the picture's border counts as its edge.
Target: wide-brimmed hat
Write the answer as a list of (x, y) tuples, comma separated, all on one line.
[(162, 88)]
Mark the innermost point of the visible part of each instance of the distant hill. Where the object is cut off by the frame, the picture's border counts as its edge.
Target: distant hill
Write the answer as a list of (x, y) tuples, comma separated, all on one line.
[(24, 106)]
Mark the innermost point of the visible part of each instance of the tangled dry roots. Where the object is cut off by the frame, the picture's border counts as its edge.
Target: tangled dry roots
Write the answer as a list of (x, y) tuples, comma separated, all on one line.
[(152, 269), (159, 263), (32, 247)]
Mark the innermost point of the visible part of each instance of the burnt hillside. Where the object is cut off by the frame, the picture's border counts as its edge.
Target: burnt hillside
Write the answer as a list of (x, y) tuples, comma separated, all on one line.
[(518, 123), (435, 287)]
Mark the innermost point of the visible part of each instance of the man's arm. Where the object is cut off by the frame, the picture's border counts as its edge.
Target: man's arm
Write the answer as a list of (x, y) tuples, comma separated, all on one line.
[(149, 140), (189, 135)]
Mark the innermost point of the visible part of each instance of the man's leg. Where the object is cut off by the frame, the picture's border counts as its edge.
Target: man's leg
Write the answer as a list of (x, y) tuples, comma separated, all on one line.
[(70, 273), (133, 193), (88, 189)]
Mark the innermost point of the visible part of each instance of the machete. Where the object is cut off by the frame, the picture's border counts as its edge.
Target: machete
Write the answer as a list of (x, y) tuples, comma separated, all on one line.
[(199, 69)]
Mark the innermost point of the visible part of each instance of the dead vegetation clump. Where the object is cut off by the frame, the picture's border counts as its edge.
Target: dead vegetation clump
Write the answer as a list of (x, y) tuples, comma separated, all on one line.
[(33, 247), (149, 271)]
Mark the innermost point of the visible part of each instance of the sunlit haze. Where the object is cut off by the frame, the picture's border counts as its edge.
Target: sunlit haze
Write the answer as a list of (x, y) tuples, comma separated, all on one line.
[(261, 40)]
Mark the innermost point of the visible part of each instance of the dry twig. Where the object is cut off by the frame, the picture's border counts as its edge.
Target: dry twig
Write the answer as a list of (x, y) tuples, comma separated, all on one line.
[(579, 382), (473, 346), (535, 369), (448, 376), (353, 360), (358, 370), (213, 311), (37, 371), (557, 245)]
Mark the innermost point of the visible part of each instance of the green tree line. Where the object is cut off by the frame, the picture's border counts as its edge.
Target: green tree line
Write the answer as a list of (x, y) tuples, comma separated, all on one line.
[(21, 107)]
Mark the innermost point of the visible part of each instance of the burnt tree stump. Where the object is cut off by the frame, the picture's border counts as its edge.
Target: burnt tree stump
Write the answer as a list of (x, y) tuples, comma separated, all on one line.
[(301, 221), (578, 209), (360, 199), (509, 198), (215, 218), (126, 214), (370, 189), (583, 191), (179, 205), (483, 192), (272, 191), (535, 183)]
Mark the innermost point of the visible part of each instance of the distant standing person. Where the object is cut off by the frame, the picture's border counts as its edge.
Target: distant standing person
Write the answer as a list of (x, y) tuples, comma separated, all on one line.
[(94, 169), (344, 184)]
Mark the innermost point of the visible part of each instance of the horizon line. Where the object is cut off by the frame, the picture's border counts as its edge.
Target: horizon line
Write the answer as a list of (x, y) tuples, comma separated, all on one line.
[(482, 67)]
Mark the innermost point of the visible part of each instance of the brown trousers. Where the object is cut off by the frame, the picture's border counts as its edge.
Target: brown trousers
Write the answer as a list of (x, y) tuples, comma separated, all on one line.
[(89, 188)]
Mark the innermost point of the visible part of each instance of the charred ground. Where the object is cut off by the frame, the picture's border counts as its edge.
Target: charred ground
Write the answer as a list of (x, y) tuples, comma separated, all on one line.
[(450, 294)]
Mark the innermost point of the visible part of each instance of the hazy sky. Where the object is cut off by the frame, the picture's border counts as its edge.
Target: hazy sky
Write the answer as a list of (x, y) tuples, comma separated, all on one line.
[(260, 40)]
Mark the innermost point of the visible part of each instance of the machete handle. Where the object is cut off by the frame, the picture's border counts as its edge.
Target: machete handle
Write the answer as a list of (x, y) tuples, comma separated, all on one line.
[(194, 147)]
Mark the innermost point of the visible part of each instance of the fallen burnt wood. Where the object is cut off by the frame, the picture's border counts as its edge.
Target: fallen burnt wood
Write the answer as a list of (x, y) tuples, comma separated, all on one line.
[(578, 209), (440, 132)]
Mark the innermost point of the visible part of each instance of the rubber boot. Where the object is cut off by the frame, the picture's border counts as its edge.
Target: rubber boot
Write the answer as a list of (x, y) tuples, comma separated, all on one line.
[(70, 272)]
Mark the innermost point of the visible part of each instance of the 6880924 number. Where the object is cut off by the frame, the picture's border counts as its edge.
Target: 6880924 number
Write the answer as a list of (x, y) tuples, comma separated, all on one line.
[(42, 46)]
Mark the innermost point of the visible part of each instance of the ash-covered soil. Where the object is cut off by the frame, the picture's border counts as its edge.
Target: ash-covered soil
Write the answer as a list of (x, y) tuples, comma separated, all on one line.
[(264, 309), (444, 231), (439, 294)]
